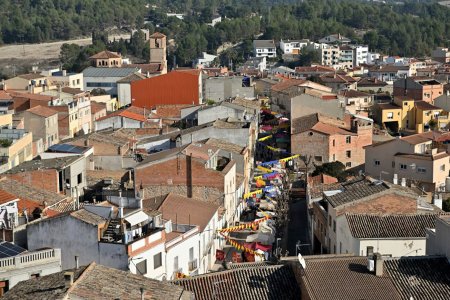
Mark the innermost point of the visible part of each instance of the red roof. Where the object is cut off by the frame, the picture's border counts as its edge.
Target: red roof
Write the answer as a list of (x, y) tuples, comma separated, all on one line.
[(287, 84), (134, 113), (42, 111), (157, 35), (105, 55), (4, 95), (176, 87), (6, 197)]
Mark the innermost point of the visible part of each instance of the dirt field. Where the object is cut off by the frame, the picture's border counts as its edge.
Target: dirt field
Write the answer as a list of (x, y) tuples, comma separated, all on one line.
[(44, 51), (17, 59)]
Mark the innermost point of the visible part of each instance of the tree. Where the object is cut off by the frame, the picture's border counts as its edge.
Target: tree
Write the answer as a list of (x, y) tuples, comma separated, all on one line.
[(334, 169), (433, 124)]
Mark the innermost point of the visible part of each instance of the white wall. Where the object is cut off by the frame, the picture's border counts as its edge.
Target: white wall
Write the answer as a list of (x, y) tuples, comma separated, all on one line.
[(124, 94), (148, 255), (181, 249)]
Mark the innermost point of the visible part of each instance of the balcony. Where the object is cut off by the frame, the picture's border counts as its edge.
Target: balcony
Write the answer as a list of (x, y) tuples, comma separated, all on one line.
[(193, 265), (31, 259)]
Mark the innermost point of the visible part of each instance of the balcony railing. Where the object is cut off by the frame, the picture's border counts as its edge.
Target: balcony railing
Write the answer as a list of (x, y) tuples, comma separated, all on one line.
[(29, 259)]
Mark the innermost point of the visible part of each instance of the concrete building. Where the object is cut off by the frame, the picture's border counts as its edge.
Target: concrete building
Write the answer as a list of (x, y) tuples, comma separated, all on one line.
[(438, 238), (338, 82), (329, 140), (363, 196), (31, 83), (264, 48), (199, 256), (285, 95), (405, 114), (419, 88), (17, 264), (222, 88), (441, 55), (15, 147), (415, 159), (64, 79), (389, 73), (395, 235), (204, 61), (336, 38), (105, 78), (196, 171), (65, 175), (373, 86), (106, 59), (93, 281), (130, 117), (176, 87), (43, 123), (357, 102), (293, 46)]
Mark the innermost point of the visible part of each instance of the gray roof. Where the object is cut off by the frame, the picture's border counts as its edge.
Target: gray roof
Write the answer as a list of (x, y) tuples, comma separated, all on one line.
[(253, 282), (108, 72), (46, 287), (332, 277), (422, 277), (95, 282), (356, 190), (132, 77), (24, 191), (367, 226), (264, 43), (52, 163), (87, 217)]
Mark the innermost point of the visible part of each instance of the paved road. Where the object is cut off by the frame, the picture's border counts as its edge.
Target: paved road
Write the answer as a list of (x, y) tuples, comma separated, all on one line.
[(298, 227)]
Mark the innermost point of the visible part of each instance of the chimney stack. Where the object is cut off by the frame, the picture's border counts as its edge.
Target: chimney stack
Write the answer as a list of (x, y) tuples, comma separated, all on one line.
[(68, 279), (378, 264), (77, 265)]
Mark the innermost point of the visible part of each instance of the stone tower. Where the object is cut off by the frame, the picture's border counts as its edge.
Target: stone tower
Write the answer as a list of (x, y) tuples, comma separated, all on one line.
[(158, 49)]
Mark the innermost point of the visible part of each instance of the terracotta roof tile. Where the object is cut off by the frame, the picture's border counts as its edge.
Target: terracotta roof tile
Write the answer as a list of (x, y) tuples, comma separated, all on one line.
[(253, 283), (97, 107), (184, 210), (331, 277), (105, 55), (287, 84), (42, 111), (6, 197), (157, 35)]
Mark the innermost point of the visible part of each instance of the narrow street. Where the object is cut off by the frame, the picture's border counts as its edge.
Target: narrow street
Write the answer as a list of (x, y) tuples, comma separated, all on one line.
[(298, 227)]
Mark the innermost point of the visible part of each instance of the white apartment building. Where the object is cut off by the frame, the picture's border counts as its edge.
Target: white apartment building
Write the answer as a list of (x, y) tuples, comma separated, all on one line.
[(293, 46), (265, 48)]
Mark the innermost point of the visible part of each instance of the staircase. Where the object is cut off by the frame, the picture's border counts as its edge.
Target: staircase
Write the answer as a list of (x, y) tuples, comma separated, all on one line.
[(112, 230)]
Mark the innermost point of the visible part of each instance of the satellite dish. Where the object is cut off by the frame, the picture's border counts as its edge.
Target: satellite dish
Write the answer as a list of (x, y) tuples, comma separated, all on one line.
[(302, 261)]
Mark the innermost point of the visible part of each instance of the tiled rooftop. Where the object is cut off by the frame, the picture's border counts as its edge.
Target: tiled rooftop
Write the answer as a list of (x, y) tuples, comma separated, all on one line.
[(355, 190), (331, 277), (42, 111), (423, 278), (252, 283), (363, 226), (96, 282)]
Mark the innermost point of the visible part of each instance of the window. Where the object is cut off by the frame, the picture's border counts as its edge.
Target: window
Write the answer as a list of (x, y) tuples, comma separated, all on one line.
[(334, 143), (329, 221), (390, 116), (348, 164), (421, 170), (141, 267), (403, 166), (175, 263), (348, 153), (334, 225), (393, 164), (377, 162), (443, 168), (318, 158), (157, 260), (334, 157), (191, 253), (80, 178)]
